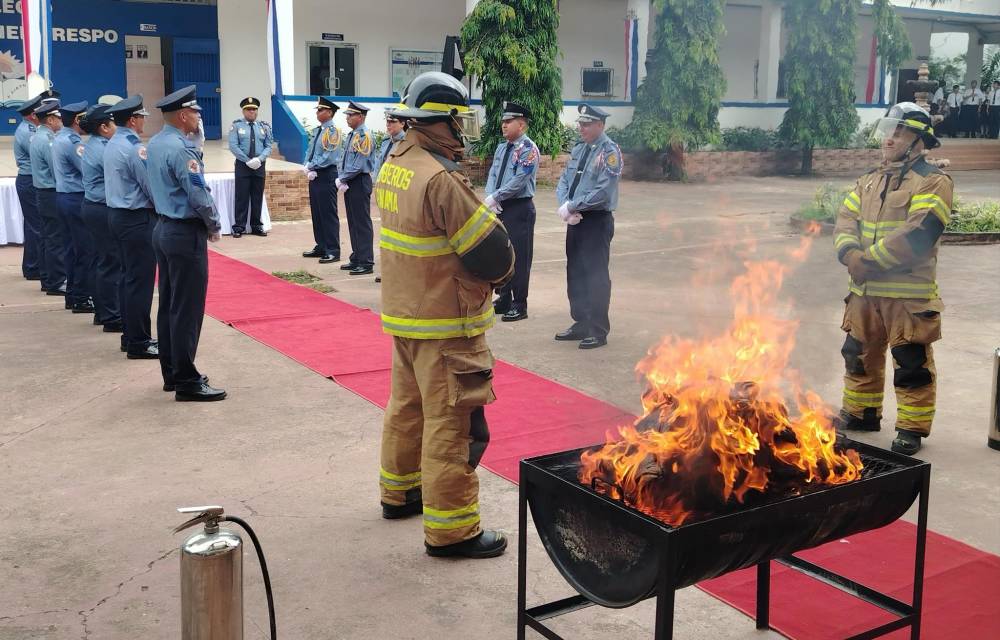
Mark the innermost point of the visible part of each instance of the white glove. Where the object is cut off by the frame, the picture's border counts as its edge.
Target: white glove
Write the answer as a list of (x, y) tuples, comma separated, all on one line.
[(563, 212), (574, 218), (493, 204), (306, 170), (311, 175), (253, 163), (343, 187), (338, 182)]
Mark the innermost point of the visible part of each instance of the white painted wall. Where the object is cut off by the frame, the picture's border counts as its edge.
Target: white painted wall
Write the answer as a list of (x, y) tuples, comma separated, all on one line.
[(375, 26), (738, 51), (592, 30), (983, 7), (243, 58)]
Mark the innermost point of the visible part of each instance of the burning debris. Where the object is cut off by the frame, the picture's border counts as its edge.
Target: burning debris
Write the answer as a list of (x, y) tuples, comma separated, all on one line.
[(715, 426)]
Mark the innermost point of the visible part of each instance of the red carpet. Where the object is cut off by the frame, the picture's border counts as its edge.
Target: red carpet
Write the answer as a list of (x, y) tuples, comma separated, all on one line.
[(534, 415)]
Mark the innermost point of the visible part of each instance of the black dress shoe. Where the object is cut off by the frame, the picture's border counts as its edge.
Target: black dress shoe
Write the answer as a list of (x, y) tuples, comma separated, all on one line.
[(198, 392), (501, 306), (361, 271), (397, 511), (348, 266), (488, 544), (32, 277), (593, 342), (113, 327), (170, 386), (314, 253), (59, 291), (237, 234), (83, 307), (570, 334), (151, 352), (329, 259), (98, 323), (259, 232), (514, 315)]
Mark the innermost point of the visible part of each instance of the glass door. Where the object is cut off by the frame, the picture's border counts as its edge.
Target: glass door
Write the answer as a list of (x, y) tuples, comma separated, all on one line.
[(332, 69)]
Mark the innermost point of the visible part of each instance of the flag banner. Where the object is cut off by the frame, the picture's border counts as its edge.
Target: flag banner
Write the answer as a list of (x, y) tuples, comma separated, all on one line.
[(36, 30), (872, 66)]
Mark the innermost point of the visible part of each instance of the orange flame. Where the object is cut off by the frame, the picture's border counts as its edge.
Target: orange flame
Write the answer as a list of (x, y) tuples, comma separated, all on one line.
[(715, 426)]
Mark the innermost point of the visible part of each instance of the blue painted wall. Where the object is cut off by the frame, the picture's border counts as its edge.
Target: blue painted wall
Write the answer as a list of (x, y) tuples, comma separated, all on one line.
[(89, 59)]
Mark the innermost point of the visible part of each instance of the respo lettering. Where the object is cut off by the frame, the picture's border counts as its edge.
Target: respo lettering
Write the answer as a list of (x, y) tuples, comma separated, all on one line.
[(61, 34)]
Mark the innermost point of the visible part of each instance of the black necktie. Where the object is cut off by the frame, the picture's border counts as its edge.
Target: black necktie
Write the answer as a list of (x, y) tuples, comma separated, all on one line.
[(503, 163), (253, 142), (580, 168)]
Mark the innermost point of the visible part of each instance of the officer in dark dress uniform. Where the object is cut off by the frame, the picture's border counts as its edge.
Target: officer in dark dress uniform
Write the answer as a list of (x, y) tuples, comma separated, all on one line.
[(132, 218), (55, 235), (33, 258), (588, 193), (250, 141), (188, 221), (67, 155), (355, 182), (322, 158)]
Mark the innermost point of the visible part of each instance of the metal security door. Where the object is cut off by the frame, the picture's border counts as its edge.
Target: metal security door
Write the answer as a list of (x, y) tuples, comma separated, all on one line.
[(196, 61), (343, 70)]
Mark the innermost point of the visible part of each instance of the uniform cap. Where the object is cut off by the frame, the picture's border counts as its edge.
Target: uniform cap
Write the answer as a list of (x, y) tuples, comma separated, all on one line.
[(250, 103), (326, 103), (590, 113), (48, 107), (130, 106), (354, 107), (69, 112), (181, 99), (514, 110), (96, 115), (29, 106)]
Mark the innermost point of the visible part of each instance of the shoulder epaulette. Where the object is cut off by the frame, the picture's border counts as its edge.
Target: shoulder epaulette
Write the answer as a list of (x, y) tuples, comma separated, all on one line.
[(134, 139), (449, 165), (923, 168)]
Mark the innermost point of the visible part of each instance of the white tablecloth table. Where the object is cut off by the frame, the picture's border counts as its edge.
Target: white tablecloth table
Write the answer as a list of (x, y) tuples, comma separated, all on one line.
[(221, 184)]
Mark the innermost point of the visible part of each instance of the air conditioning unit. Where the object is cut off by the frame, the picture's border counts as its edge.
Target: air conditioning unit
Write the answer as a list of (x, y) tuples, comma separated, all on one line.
[(597, 81)]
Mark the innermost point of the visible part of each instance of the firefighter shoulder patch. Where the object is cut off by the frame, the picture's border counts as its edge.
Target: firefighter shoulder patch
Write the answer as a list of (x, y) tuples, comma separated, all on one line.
[(79, 150), (612, 161), (194, 171), (526, 155)]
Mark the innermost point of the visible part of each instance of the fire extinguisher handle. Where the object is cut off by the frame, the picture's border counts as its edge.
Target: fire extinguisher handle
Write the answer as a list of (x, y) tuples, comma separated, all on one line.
[(209, 515)]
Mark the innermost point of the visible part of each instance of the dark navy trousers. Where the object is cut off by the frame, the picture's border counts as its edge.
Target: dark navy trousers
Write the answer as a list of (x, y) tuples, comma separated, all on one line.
[(588, 253), (133, 234), (358, 202), (33, 259), (55, 238), (80, 268), (323, 207), (107, 268)]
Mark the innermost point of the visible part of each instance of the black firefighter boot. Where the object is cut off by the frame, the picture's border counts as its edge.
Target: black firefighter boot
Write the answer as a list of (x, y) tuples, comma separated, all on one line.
[(906, 442), (869, 422), (413, 506)]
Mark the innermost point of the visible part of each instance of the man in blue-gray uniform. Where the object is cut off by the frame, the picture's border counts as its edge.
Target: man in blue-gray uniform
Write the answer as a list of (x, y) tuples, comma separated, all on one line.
[(396, 130), (322, 158), (355, 182), (55, 235), (33, 258), (132, 218), (67, 152), (250, 141), (188, 221), (588, 194), (510, 189), (107, 270)]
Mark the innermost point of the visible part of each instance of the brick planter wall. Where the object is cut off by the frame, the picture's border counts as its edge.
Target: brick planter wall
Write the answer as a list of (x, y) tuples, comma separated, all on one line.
[(709, 165), (549, 169), (287, 194)]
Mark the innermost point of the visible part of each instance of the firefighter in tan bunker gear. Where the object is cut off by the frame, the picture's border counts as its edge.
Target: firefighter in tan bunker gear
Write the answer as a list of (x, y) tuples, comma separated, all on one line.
[(442, 253), (887, 234)]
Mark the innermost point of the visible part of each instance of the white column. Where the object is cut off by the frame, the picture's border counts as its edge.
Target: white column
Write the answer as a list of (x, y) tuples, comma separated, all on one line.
[(769, 52), (973, 58), (641, 10), (284, 12), (470, 5)]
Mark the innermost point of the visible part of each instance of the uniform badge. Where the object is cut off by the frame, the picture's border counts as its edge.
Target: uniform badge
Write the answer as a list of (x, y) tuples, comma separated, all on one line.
[(79, 150), (243, 132), (193, 166), (142, 152)]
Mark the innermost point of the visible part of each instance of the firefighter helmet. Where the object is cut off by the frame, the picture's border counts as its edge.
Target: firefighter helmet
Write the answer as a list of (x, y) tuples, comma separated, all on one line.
[(435, 96), (907, 115)]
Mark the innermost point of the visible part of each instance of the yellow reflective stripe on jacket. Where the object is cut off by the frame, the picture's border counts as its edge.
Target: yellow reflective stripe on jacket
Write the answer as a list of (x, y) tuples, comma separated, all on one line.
[(870, 229), (881, 254), (933, 202), (419, 246), (451, 519), (473, 229), (862, 399), (845, 240), (395, 482), (853, 202), (916, 414), (438, 328), (921, 290)]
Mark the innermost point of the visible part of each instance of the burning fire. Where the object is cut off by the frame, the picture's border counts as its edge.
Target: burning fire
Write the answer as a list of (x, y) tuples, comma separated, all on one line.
[(715, 426)]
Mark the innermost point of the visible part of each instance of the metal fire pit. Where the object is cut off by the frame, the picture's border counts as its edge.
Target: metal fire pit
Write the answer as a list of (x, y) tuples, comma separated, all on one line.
[(616, 556)]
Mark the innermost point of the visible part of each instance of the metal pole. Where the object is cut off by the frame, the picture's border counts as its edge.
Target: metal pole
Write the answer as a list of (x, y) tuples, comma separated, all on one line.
[(918, 563), (994, 437), (522, 557), (763, 594)]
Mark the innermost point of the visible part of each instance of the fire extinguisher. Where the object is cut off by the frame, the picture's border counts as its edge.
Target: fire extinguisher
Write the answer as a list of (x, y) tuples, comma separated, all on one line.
[(994, 438), (212, 577)]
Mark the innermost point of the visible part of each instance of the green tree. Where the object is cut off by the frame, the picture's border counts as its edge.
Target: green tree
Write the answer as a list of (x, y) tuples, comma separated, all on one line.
[(991, 65), (822, 46), (948, 71), (510, 47), (892, 38), (679, 99)]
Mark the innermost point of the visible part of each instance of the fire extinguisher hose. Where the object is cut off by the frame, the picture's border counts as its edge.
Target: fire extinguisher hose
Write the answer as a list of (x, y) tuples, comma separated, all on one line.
[(263, 569)]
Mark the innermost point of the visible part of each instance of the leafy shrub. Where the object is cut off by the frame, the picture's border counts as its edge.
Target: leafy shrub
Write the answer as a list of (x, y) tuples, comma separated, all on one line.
[(825, 203), (974, 216), (750, 139), (568, 137)]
